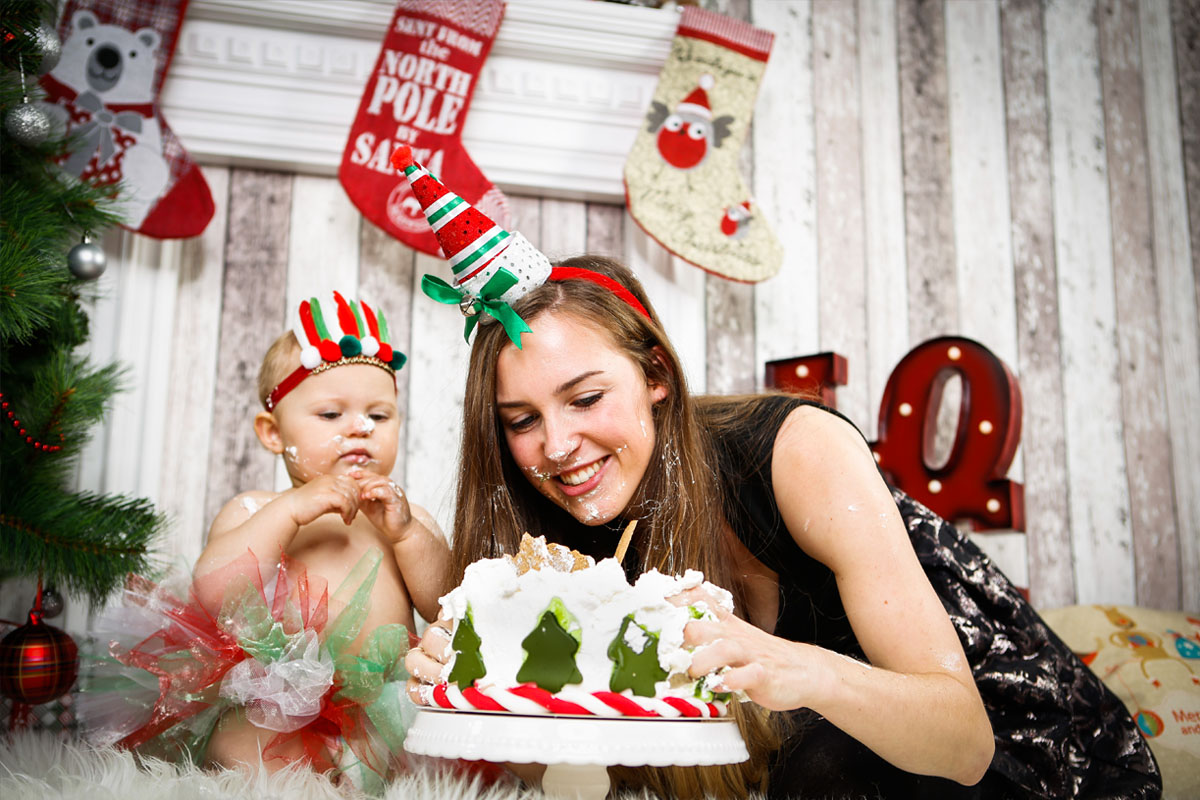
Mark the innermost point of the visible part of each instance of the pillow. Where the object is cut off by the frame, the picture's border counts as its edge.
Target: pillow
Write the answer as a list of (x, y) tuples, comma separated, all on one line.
[(1151, 660)]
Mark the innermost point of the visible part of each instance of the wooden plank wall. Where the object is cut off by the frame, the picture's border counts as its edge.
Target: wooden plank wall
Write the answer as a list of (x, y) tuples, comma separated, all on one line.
[(1025, 173)]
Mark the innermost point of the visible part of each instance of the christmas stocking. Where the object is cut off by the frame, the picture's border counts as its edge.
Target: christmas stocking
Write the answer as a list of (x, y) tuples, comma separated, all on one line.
[(115, 55), (418, 95), (681, 178)]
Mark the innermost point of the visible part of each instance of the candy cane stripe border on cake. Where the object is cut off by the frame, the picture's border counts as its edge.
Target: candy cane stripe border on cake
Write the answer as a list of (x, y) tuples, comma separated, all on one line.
[(528, 698)]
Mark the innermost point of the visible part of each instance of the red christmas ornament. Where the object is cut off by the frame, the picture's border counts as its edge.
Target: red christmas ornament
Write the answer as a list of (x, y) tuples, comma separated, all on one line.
[(38, 662)]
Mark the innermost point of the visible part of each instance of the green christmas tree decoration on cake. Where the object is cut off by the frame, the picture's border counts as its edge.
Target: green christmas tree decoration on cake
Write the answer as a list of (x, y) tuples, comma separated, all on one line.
[(565, 618), (633, 669), (50, 395), (550, 650), (468, 662)]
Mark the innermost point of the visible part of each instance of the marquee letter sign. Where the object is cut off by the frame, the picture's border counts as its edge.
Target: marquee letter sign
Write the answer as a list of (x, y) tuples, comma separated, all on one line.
[(812, 376), (971, 484)]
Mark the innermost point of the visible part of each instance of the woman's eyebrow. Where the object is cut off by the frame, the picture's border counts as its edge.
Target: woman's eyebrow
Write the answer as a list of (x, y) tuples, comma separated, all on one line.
[(566, 387), (560, 389)]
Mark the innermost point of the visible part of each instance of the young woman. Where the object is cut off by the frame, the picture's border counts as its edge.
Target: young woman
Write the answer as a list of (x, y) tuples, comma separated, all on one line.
[(905, 664)]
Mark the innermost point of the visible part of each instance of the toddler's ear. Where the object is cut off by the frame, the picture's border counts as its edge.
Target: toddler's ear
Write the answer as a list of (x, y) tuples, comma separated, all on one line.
[(267, 429)]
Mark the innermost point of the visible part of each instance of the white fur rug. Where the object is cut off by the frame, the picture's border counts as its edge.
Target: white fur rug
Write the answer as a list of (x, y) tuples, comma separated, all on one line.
[(43, 766)]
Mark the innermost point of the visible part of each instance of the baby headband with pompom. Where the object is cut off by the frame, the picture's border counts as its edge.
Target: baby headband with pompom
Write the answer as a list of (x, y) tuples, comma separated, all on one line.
[(356, 334), (492, 267)]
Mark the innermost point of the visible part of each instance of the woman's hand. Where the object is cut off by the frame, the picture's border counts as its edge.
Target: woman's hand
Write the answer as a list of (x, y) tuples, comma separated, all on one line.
[(773, 672), (426, 661)]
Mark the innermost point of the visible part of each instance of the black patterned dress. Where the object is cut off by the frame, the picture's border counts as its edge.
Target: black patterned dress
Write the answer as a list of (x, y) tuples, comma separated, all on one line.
[(1059, 731)]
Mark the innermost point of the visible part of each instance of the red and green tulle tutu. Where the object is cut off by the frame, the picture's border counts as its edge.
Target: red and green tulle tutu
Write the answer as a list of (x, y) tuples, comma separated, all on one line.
[(169, 669)]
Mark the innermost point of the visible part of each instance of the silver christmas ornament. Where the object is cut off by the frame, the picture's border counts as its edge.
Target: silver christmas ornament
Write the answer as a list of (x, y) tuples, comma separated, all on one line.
[(52, 602), (27, 124), (49, 47), (87, 260)]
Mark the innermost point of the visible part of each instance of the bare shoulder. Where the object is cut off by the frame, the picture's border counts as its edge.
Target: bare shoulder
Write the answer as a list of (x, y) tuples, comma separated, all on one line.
[(239, 509), (422, 515), (811, 436), (825, 481)]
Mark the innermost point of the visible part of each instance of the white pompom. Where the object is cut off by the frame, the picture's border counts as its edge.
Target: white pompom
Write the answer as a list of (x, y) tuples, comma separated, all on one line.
[(370, 345), (706, 81), (310, 357)]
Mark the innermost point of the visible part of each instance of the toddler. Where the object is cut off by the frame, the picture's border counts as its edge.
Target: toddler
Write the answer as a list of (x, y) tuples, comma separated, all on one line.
[(288, 642), (330, 411)]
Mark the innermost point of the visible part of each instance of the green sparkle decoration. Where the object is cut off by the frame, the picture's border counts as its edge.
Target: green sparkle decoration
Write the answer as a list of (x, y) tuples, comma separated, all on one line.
[(468, 663), (631, 669), (550, 650)]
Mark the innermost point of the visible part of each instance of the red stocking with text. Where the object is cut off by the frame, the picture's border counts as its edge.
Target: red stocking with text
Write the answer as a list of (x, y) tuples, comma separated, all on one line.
[(418, 95)]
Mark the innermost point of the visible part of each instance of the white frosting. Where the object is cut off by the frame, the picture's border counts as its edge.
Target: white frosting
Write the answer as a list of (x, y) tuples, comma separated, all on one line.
[(506, 606)]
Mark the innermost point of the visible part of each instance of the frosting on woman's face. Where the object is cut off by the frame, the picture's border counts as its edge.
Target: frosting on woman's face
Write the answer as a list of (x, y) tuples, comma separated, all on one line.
[(576, 415)]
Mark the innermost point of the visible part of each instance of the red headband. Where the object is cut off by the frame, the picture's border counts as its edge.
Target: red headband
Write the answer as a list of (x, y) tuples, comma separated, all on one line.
[(576, 273)]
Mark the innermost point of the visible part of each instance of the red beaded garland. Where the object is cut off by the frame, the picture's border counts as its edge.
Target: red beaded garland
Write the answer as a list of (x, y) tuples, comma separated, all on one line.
[(16, 423)]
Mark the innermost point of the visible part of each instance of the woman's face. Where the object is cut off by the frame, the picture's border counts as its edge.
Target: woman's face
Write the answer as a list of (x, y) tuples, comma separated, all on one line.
[(576, 415)]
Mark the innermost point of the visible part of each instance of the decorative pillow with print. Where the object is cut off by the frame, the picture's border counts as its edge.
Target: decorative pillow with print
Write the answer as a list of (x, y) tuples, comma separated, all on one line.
[(1151, 660)]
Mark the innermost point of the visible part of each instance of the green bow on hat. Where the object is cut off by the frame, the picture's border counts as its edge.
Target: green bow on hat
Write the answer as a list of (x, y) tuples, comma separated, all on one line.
[(488, 300)]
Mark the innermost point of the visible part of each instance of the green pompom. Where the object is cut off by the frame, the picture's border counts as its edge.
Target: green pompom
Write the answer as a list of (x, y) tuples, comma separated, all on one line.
[(398, 360), (350, 345)]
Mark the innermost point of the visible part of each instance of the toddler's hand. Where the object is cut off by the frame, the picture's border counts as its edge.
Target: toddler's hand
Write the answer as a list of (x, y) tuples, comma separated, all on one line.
[(323, 495), (384, 504)]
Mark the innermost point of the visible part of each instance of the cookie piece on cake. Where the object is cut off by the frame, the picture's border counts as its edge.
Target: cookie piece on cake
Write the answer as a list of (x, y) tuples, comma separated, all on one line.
[(537, 553)]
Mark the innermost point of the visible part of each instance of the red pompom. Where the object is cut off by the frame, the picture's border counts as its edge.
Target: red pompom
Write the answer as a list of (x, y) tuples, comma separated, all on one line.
[(402, 159), (330, 351), (385, 352)]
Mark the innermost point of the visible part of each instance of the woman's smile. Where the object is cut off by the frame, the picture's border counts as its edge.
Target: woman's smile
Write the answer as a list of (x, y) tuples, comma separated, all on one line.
[(583, 480)]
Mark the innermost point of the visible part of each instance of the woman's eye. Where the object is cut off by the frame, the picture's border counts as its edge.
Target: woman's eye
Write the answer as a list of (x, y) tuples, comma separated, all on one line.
[(589, 400), (521, 423)]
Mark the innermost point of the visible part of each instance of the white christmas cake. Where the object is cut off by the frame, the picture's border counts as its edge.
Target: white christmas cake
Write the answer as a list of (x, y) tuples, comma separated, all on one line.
[(550, 631)]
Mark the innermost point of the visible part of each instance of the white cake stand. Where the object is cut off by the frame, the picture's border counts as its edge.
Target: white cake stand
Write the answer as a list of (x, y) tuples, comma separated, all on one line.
[(575, 750)]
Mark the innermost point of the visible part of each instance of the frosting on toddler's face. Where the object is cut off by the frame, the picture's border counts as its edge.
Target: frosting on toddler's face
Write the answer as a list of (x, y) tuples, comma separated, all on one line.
[(576, 413), (340, 420)]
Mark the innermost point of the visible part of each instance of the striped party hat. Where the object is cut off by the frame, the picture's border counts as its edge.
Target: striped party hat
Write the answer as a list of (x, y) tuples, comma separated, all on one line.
[(492, 267)]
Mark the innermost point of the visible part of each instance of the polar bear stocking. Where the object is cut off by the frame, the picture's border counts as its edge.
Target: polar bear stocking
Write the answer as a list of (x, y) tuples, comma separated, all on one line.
[(105, 89), (418, 95), (682, 184)]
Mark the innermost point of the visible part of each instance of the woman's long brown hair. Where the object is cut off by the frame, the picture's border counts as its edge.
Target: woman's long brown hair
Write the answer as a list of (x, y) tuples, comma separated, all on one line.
[(678, 503)]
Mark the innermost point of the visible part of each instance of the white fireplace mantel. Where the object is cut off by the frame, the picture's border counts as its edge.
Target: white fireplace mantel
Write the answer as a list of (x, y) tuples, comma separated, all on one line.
[(276, 84)]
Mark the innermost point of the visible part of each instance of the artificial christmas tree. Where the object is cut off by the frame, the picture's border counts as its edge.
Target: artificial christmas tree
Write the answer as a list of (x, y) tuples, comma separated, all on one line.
[(83, 543)]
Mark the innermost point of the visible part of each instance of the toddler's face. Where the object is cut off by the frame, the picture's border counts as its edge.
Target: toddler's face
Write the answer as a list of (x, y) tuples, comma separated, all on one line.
[(341, 420)]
